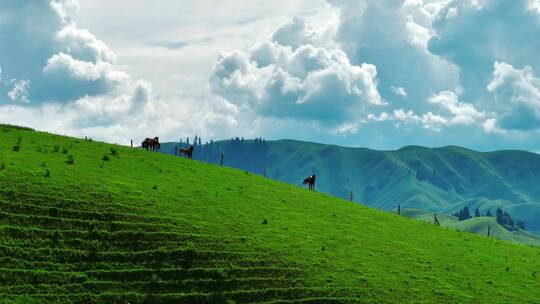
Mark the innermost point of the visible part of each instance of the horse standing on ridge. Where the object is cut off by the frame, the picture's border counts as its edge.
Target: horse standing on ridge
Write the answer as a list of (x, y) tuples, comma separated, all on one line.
[(310, 181), (188, 152), (151, 144)]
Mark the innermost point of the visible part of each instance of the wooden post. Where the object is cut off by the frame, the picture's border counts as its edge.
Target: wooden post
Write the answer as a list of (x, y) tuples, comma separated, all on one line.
[(398, 209), (351, 196), (489, 230), (132, 143), (435, 220), (264, 172), (221, 162)]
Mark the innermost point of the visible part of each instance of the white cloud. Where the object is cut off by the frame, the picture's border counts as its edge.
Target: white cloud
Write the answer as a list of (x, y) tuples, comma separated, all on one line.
[(482, 32), (305, 83), (516, 97), (393, 36), (462, 113), (78, 89), (534, 5), (428, 120), (399, 91), (19, 91)]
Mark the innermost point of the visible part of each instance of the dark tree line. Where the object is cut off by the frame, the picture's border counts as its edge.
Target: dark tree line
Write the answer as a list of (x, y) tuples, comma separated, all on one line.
[(245, 154), (503, 218)]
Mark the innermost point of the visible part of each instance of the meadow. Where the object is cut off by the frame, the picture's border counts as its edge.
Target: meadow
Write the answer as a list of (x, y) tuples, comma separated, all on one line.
[(90, 222)]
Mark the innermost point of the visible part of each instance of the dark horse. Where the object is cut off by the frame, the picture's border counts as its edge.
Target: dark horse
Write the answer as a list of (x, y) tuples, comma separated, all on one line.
[(188, 152), (151, 144), (310, 181)]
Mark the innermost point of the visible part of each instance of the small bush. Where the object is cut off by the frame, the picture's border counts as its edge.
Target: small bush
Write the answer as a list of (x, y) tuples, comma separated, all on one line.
[(114, 152), (56, 148), (106, 158), (70, 160), (47, 173), (16, 148), (2, 166), (154, 187), (65, 151), (265, 221)]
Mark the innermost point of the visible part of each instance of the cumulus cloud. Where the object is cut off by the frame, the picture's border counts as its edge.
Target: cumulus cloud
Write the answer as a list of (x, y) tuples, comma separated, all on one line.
[(304, 83), (462, 113), (475, 34), (393, 36), (69, 82), (46, 47), (516, 97)]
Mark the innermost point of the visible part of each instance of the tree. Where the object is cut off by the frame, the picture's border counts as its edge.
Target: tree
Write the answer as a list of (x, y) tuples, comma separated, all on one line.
[(488, 213), (521, 225), (499, 216), (477, 212), (466, 213)]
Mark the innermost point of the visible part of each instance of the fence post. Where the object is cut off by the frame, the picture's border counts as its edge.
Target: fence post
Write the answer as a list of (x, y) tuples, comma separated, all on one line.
[(435, 220), (132, 143), (221, 159), (398, 209), (351, 196), (489, 230)]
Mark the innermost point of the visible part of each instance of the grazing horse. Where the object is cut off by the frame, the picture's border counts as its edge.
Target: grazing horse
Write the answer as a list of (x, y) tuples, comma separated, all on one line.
[(151, 144), (188, 152), (310, 181)]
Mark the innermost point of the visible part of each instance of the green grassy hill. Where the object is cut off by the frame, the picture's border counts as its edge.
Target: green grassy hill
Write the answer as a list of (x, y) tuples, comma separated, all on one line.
[(432, 179), (477, 225), (88, 222)]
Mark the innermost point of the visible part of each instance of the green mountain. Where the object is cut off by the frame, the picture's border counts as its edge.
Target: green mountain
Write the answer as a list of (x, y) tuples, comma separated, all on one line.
[(433, 179), (88, 222)]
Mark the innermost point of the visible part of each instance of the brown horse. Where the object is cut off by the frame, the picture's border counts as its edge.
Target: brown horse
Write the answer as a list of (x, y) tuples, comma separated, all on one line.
[(151, 144), (310, 181), (188, 152)]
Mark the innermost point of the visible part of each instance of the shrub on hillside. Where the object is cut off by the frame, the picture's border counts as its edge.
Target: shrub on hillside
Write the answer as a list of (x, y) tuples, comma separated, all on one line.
[(70, 160)]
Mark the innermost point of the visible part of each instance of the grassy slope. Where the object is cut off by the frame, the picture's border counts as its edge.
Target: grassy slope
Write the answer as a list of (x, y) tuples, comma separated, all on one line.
[(475, 225), (336, 244), (439, 179)]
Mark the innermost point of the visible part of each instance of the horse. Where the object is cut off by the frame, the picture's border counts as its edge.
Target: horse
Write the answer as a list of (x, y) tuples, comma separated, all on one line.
[(151, 144), (188, 152), (310, 181)]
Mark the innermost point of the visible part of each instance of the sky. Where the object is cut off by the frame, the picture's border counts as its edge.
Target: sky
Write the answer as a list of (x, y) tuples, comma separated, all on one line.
[(364, 73)]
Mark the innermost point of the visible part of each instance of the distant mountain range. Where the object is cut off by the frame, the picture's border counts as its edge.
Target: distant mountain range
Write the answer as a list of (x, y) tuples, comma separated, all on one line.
[(440, 180)]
